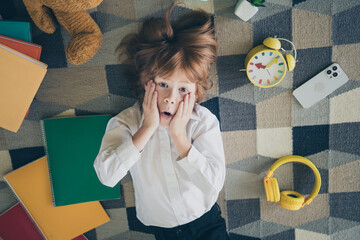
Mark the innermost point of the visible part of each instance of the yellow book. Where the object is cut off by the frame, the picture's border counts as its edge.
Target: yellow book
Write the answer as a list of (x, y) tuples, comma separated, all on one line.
[(20, 79), (31, 184)]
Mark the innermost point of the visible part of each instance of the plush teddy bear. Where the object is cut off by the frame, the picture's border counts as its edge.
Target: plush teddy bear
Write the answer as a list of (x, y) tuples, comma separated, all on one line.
[(86, 37)]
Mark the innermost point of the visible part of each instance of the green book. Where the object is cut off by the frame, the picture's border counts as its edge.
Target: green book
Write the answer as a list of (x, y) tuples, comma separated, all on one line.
[(71, 145), (15, 29)]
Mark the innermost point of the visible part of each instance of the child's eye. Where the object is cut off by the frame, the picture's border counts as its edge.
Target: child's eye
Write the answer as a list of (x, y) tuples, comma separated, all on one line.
[(162, 85), (183, 90)]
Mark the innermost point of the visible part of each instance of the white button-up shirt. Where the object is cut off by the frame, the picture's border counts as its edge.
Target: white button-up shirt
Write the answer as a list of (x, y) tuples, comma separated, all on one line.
[(169, 191)]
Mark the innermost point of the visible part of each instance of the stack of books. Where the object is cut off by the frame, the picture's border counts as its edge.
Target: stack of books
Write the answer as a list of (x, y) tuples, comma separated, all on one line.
[(59, 193), (39, 217), (21, 72)]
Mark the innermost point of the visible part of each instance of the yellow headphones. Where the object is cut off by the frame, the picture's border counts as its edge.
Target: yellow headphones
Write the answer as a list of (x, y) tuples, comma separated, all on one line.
[(290, 200), (274, 43)]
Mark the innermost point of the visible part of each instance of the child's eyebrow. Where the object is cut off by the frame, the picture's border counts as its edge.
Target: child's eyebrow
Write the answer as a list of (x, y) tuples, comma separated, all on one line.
[(186, 82)]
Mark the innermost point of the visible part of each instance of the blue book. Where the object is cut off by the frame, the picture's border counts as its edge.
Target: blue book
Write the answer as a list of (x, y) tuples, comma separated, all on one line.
[(16, 29)]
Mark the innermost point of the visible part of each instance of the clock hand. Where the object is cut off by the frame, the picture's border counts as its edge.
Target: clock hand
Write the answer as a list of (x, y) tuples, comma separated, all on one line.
[(272, 62), (268, 72), (259, 65)]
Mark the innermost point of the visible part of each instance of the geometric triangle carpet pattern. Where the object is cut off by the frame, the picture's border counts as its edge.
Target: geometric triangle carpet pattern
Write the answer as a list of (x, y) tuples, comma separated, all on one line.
[(258, 125)]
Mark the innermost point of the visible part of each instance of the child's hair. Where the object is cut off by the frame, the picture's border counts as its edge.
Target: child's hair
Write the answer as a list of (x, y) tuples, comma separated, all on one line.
[(162, 47)]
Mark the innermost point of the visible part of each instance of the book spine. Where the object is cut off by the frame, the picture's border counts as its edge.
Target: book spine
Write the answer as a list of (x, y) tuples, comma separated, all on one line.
[(34, 223), (43, 134), (26, 210), (30, 35), (24, 43), (20, 41)]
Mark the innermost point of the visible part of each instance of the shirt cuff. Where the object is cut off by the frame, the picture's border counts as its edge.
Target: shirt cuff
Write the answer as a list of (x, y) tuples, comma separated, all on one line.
[(128, 151), (193, 161)]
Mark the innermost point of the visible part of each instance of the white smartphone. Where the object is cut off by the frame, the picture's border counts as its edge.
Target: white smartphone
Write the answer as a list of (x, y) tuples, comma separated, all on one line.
[(320, 86)]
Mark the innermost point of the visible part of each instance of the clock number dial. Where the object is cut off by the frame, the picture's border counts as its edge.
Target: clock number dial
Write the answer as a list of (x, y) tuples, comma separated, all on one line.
[(266, 68)]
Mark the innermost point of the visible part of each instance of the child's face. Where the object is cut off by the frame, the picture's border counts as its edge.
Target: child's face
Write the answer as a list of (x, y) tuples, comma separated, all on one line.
[(171, 92)]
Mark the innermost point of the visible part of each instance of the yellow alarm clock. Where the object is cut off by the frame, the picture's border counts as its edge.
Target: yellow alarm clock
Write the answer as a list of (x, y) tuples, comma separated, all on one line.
[(267, 64)]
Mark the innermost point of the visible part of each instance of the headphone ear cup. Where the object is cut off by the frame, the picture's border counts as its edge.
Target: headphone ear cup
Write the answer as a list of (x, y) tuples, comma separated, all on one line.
[(291, 200), (272, 190), (290, 61), (272, 43)]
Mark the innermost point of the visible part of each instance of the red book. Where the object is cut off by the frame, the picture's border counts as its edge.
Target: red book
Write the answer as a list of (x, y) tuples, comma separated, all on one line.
[(15, 224), (30, 49)]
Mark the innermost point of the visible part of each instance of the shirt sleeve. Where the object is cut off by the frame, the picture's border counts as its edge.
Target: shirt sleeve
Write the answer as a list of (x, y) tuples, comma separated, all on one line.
[(206, 159), (117, 152)]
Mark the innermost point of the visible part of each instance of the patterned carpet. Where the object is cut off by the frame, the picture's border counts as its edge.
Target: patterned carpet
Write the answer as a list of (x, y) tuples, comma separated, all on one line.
[(258, 125)]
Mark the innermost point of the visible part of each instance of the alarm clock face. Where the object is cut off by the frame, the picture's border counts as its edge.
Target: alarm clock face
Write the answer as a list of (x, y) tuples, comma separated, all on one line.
[(266, 69)]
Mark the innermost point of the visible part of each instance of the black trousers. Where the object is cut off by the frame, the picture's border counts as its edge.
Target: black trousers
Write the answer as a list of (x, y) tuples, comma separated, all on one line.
[(210, 226)]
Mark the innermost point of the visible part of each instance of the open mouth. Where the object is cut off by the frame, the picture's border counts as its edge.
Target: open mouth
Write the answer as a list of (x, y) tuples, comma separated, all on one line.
[(166, 115)]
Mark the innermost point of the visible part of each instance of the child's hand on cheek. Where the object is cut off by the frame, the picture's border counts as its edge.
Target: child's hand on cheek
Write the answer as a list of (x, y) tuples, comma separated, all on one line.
[(151, 112), (178, 123)]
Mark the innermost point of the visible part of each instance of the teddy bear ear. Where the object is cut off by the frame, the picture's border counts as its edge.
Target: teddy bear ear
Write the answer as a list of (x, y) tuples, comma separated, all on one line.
[(41, 16)]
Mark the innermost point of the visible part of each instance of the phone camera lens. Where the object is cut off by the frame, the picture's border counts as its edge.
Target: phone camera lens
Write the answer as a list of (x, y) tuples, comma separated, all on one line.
[(334, 68), (335, 74), (328, 72)]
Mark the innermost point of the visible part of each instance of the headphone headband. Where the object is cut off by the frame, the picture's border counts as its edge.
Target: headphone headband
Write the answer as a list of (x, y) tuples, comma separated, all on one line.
[(295, 158)]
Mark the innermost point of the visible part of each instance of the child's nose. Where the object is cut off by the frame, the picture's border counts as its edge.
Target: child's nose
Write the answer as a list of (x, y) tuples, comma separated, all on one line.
[(170, 97)]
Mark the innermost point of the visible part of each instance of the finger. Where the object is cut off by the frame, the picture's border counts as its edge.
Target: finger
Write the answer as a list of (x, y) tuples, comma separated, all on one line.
[(146, 96), (189, 106), (180, 109), (150, 90), (154, 100), (192, 102), (186, 104)]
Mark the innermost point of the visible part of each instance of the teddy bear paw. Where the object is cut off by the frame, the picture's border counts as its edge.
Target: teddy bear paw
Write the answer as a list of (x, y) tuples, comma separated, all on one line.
[(83, 47), (45, 21)]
